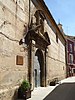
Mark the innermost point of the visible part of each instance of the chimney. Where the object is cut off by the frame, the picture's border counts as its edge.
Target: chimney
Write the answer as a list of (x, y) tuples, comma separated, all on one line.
[(60, 27)]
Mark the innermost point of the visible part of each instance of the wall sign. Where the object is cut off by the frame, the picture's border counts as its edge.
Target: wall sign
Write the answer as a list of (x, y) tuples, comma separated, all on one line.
[(19, 60)]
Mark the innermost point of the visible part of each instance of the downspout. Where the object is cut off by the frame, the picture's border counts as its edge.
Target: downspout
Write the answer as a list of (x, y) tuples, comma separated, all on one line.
[(66, 59), (29, 11)]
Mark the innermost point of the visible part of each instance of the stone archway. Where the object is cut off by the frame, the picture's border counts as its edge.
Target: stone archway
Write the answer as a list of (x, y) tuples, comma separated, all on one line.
[(39, 68), (41, 38)]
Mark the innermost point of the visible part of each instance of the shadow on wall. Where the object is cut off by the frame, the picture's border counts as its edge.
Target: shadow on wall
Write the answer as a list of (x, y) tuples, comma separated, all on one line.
[(15, 95)]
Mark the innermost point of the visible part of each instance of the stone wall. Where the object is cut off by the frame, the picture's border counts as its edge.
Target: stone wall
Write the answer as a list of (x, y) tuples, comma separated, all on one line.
[(13, 18), (56, 61)]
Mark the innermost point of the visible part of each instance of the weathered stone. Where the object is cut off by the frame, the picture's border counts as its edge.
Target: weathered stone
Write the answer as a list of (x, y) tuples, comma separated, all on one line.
[(14, 18)]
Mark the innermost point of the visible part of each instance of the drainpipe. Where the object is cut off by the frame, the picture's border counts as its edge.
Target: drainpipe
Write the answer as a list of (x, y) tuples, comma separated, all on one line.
[(29, 10), (66, 58)]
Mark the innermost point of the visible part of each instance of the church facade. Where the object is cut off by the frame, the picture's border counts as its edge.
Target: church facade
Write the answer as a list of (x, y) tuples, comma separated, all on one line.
[(32, 47)]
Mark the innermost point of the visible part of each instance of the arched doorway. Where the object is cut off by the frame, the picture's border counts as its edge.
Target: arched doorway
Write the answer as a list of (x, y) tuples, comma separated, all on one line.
[(38, 68), (37, 75)]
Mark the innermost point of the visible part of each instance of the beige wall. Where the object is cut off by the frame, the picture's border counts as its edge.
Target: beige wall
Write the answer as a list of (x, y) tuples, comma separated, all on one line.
[(13, 17), (56, 63), (14, 14)]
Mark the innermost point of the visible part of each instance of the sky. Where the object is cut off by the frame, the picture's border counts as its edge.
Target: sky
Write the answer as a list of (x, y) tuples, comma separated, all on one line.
[(63, 11)]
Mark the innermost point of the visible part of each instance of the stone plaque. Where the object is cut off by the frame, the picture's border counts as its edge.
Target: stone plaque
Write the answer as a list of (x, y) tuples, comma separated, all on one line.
[(19, 60)]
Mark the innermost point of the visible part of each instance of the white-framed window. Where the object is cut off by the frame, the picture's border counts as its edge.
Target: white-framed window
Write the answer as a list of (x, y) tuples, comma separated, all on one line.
[(71, 48), (71, 58)]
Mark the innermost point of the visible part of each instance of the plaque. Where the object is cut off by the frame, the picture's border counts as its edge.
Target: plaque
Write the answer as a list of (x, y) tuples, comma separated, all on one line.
[(19, 60)]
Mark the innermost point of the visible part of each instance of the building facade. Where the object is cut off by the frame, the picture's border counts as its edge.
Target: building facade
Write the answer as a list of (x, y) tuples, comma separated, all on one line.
[(70, 47), (31, 46)]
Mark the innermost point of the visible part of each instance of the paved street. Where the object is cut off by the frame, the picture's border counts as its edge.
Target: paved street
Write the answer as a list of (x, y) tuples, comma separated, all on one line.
[(65, 91), (41, 92)]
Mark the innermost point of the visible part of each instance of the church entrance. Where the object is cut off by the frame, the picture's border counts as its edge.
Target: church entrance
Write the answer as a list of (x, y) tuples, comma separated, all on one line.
[(38, 68)]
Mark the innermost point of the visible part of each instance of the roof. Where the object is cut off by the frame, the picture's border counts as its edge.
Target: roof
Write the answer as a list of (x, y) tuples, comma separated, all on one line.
[(72, 38), (50, 16)]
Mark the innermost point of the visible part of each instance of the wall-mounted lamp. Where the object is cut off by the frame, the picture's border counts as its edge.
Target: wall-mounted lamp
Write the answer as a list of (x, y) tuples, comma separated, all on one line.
[(33, 42), (22, 41), (46, 49), (24, 45)]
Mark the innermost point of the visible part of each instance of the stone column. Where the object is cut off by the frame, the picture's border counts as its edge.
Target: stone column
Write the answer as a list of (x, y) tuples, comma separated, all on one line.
[(29, 61), (43, 70)]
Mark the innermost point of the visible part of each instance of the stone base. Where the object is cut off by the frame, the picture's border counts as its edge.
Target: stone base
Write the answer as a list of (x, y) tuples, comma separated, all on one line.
[(9, 94)]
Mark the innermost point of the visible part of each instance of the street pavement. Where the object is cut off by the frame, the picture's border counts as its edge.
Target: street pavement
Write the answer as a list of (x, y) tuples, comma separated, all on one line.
[(65, 90), (41, 92), (68, 80)]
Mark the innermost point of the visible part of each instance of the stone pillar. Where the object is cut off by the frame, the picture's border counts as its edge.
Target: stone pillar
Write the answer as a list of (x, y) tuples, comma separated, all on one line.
[(32, 70), (30, 61), (43, 70), (46, 66)]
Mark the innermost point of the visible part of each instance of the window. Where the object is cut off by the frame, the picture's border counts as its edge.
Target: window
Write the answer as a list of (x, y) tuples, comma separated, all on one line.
[(71, 58), (70, 47)]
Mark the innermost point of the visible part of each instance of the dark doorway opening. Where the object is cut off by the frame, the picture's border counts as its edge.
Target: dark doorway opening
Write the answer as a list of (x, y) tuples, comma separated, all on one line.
[(39, 68)]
